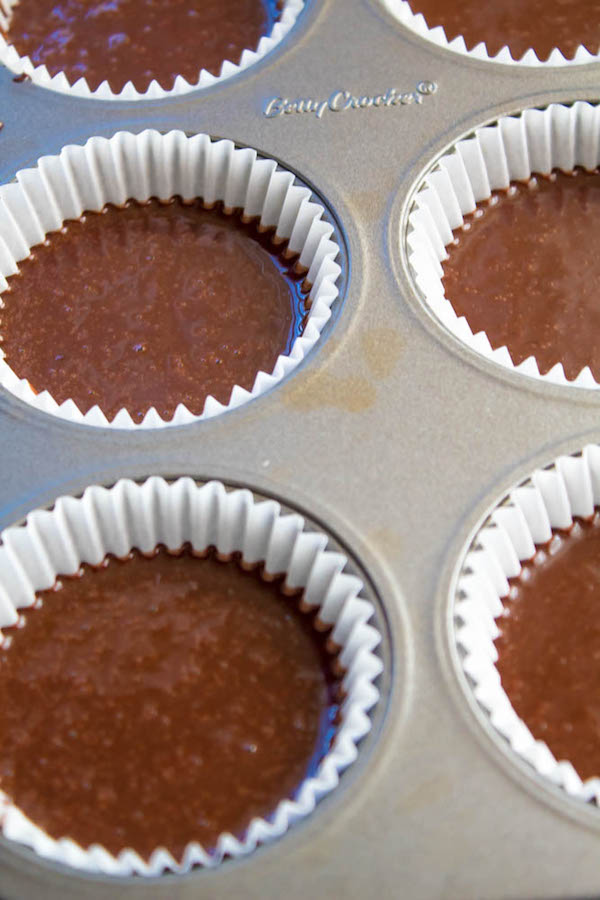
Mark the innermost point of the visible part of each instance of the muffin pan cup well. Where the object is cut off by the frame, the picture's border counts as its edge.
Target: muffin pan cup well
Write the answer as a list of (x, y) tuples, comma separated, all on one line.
[(513, 149), (143, 516), (151, 164), (524, 520), (392, 437), (23, 65), (417, 22)]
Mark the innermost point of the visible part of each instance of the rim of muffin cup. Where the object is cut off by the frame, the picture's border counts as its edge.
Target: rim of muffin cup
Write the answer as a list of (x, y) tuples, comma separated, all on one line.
[(522, 521), (151, 164), (157, 512), (492, 157), (20, 65), (417, 23)]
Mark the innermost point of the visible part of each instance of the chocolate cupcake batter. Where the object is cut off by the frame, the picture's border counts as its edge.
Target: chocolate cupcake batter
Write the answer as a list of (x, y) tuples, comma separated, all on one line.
[(154, 702), (137, 40), (150, 305), (526, 268), (518, 24), (549, 651)]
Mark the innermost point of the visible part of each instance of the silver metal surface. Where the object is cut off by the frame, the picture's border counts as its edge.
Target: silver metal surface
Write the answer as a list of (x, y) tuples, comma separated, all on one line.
[(392, 435)]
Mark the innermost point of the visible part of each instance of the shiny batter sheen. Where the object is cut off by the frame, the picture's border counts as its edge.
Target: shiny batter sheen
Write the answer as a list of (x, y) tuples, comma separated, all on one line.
[(518, 24), (154, 702), (137, 40), (527, 271), (150, 305), (549, 651)]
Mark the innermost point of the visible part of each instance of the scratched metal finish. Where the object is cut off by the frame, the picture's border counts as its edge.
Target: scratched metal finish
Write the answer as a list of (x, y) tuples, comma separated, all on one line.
[(393, 436)]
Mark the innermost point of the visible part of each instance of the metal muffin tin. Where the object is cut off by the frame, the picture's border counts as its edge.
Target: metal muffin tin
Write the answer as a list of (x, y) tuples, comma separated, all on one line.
[(392, 436)]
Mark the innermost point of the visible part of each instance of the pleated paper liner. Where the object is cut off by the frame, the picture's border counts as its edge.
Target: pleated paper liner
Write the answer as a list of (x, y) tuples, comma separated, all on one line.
[(80, 88), (417, 23), (521, 522), (510, 150), (151, 164), (143, 516)]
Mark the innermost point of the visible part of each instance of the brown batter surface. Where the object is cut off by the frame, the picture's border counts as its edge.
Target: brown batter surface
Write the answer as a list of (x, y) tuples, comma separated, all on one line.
[(154, 702), (549, 651), (518, 24), (150, 305), (527, 270), (137, 40)]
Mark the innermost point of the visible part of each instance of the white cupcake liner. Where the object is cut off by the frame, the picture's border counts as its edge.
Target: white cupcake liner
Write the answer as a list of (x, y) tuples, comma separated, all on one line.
[(128, 515), (511, 149), (549, 499), (401, 10), (59, 82), (151, 164)]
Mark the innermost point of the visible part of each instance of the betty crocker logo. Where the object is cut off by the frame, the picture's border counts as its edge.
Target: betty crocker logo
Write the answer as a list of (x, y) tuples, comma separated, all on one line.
[(341, 100)]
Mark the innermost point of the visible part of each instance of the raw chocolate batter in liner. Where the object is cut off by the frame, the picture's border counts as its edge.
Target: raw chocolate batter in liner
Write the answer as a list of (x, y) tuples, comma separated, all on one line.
[(549, 651), (525, 269), (151, 305), (521, 25), (158, 701), (138, 40)]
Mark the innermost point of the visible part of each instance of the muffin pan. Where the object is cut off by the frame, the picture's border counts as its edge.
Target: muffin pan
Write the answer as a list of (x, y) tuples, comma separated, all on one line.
[(391, 436)]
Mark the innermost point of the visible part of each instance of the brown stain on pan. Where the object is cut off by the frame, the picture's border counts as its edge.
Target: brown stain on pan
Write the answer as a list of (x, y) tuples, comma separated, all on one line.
[(427, 793), (379, 352), (351, 393), (386, 539), (381, 349)]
